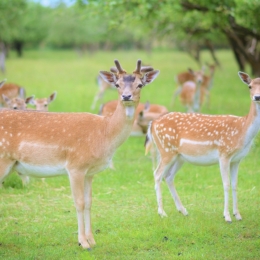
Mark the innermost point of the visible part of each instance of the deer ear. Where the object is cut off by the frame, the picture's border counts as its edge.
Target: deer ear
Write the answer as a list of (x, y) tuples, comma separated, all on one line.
[(5, 98), (149, 77), (2, 83), (29, 100), (108, 77), (52, 97), (147, 106), (191, 71), (244, 77)]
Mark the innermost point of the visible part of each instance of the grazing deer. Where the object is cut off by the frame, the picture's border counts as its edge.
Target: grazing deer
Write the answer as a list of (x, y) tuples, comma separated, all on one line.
[(17, 103), (79, 145), (42, 104), (102, 87), (204, 140), (10, 90), (191, 95)]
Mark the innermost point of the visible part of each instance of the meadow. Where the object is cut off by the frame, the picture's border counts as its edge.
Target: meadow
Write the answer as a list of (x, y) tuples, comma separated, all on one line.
[(39, 221)]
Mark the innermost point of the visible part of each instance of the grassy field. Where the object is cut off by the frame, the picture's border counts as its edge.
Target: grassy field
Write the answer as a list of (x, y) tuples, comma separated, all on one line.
[(39, 221)]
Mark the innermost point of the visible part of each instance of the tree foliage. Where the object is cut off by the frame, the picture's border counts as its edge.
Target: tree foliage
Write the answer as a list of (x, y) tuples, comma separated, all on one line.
[(186, 24)]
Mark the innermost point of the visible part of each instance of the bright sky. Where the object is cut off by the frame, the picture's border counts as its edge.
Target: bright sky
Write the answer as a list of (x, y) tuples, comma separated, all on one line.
[(54, 2)]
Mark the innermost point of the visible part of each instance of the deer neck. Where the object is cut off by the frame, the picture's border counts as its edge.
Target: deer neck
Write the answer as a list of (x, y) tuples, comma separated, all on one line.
[(119, 125), (252, 122)]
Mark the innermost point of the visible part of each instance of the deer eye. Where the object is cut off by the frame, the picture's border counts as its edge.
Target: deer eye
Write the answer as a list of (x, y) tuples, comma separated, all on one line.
[(140, 85), (249, 87), (15, 107), (117, 85)]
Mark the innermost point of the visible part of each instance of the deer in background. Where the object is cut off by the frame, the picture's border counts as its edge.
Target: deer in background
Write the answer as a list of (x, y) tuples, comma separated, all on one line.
[(42, 104), (191, 94), (17, 103), (180, 79), (10, 90), (102, 87), (204, 140), (21, 104), (143, 114), (79, 145)]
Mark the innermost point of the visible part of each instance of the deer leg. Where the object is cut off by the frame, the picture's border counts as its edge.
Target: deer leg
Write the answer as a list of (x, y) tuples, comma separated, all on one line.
[(169, 180), (224, 169), (234, 177), (6, 166), (175, 94), (158, 175), (25, 179), (153, 152), (98, 96), (77, 188), (88, 203)]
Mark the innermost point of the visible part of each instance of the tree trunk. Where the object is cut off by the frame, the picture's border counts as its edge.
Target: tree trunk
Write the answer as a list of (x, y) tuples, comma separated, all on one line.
[(18, 46)]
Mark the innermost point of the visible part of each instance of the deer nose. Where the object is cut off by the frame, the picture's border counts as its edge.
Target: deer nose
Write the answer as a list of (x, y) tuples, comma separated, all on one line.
[(257, 98), (126, 97)]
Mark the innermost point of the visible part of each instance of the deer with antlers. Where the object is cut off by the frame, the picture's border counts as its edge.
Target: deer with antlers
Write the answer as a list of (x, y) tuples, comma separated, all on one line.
[(75, 144), (204, 140)]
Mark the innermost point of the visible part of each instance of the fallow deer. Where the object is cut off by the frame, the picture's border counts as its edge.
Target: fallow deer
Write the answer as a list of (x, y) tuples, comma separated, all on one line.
[(10, 90), (21, 104), (17, 103), (191, 94), (47, 144), (146, 109), (204, 140), (42, 104), (181, 78), (143, 115)]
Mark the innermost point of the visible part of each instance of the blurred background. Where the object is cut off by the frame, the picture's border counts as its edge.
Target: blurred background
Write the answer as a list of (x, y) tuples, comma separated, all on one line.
[(88, 26)]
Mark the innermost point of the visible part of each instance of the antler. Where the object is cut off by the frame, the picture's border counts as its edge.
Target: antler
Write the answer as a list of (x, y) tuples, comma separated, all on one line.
[(119, 68), (147, 69), (114, 70), (138, 67)]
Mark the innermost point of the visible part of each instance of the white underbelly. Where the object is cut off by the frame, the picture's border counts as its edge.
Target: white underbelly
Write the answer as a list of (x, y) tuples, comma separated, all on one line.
[(41, 171), (202, 159)]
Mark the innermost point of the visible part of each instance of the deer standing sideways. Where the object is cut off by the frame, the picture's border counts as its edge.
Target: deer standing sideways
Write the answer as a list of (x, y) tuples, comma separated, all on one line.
[(79, 145), (204, 140)]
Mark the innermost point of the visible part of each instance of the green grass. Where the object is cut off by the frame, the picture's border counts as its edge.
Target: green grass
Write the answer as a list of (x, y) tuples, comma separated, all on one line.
[(39, 221)]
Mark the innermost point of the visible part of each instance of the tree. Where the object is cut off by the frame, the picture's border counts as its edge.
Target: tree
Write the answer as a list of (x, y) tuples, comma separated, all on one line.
[(200, 22), (239, 21)]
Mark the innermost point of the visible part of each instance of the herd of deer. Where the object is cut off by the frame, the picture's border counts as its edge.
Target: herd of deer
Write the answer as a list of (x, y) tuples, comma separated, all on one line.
[(52, 148)]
